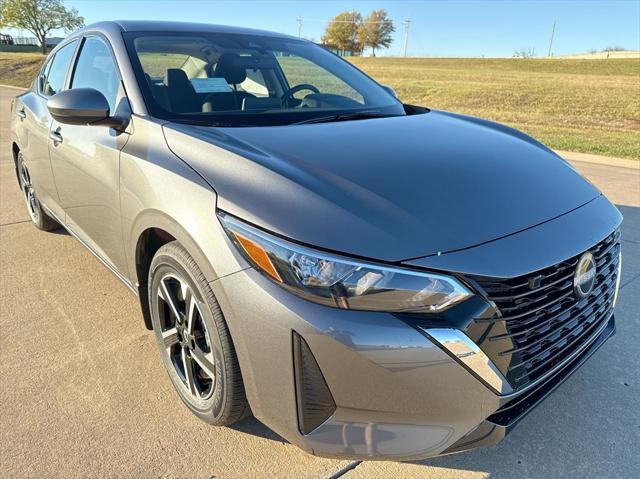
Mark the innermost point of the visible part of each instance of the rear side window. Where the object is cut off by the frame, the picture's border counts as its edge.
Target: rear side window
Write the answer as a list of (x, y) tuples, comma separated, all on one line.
[(255, 83), (38, 84), (155, 64), (96, 69), (54, 80)]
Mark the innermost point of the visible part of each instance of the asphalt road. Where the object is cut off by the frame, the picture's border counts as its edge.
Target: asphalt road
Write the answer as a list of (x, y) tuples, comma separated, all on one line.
[(83, 392)]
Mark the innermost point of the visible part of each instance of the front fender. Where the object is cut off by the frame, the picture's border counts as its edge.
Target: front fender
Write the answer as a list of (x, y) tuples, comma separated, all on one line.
[(159, 190)]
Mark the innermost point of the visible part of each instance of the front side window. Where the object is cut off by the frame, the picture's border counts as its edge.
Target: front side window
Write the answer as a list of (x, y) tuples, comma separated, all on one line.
[(54, 80), (96, 69), (245, 80)]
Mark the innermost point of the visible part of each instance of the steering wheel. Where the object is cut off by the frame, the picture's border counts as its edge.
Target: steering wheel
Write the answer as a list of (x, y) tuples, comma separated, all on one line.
[(288, 95)]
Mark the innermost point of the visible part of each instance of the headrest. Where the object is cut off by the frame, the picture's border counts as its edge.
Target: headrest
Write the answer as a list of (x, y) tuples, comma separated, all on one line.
[(230, 68), (176, 78)]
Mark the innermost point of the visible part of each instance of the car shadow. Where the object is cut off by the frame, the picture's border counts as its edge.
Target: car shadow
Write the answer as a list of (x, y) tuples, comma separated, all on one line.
[(60, 231), (573, 432), (251, 425)]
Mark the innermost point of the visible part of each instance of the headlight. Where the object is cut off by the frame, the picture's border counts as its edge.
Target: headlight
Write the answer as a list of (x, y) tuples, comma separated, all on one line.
[(338, 282)]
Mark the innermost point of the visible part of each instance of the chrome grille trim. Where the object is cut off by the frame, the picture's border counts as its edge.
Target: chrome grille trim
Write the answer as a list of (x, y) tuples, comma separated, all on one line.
[(535, 329)]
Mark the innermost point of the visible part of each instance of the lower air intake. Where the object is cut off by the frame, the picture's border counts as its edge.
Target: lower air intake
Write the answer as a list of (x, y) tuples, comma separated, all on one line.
[(313, 398)]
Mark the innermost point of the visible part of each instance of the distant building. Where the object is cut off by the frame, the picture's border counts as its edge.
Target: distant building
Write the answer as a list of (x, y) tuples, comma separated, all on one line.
[(53, 41), (28, 41), (6, 39), (339, 52)]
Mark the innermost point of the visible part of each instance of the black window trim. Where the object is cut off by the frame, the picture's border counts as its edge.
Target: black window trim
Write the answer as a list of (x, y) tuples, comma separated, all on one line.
[(50, 60), (156, 111), (76, 57), (74, 62)]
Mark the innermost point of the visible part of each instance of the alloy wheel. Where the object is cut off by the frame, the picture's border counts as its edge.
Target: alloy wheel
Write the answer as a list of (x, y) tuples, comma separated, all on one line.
[(29, 195), (186, 338)]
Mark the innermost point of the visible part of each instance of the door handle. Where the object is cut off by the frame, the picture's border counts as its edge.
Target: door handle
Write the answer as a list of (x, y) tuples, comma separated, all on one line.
[(55, 135), (21, 113)]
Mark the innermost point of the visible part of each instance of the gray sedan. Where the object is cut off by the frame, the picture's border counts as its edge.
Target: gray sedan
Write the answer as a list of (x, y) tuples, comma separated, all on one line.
[(370, 279)]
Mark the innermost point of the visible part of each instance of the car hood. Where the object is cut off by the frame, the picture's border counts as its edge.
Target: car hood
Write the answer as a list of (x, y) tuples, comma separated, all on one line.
[(389, 189)]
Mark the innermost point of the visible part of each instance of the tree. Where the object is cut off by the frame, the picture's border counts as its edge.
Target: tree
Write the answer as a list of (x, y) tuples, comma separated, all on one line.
[(39, 17), (376, 30), (342, 31), (525, 53)]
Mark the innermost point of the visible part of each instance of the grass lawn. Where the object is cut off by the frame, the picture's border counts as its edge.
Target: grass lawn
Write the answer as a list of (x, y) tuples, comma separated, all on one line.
[(588, 106), (19, 69)]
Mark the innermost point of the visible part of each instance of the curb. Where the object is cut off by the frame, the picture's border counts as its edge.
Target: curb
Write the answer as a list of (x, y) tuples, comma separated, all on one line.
[(567, 155), (599, 160), (2, 85)]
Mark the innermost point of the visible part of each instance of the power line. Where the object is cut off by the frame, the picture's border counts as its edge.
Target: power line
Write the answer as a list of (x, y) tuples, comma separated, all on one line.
[(406, 23), (340, 21)]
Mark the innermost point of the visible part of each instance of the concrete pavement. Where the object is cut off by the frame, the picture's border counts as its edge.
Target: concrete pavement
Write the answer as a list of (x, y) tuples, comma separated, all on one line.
[(83, 392)]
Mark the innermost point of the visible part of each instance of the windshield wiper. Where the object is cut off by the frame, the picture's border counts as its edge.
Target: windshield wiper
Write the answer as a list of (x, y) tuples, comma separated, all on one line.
[(356, 115)]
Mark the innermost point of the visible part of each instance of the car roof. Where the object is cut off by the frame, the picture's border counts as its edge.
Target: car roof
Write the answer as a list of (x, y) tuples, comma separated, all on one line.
[(169, 27)]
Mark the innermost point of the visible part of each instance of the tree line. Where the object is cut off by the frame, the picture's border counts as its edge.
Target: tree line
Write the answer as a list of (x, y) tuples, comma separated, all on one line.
[(348, 31)]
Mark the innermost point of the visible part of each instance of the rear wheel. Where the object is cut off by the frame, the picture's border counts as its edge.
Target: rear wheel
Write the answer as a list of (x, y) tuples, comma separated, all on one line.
[(40, 219), (193, 338)]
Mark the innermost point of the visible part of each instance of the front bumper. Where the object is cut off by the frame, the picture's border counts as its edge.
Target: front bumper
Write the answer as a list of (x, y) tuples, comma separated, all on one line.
[(516, 407), (398, 395)]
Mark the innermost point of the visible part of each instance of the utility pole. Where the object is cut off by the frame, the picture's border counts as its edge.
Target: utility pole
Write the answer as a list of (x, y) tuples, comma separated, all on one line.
[(553, 31), (407, 24), (299, 20)]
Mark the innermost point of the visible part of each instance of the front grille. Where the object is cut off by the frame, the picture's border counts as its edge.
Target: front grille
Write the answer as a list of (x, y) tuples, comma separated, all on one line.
[(541, 321)]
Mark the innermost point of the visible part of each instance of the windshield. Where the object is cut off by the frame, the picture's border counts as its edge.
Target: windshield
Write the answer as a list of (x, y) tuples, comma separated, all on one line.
[(245, 80)]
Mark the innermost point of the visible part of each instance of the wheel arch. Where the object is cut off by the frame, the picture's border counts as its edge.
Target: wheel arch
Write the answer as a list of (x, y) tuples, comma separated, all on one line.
[(15, 149), (152, 230)]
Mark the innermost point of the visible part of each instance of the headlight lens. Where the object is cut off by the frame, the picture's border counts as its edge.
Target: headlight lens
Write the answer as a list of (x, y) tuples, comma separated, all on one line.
[(338, 282)]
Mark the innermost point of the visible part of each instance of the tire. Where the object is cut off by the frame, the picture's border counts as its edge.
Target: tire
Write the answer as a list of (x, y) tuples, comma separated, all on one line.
[(39, 218), (197, 350)]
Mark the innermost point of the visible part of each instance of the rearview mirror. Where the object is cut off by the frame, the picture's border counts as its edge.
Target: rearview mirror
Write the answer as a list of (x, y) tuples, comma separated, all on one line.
[(82, 106), (390, 90)]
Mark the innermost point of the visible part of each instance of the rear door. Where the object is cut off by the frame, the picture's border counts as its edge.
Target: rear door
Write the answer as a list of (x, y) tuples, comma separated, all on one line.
[(35, 122), (86, 159)]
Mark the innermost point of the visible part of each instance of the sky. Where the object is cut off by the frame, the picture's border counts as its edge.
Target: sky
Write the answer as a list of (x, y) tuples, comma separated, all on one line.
[(493, 28)]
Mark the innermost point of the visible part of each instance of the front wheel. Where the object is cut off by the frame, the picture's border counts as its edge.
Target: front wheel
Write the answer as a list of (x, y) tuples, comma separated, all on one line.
[(40, 219), (193, 338)]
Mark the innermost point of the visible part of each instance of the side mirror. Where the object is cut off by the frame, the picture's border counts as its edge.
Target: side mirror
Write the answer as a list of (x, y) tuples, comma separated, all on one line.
[(82, 106), (390, 90)]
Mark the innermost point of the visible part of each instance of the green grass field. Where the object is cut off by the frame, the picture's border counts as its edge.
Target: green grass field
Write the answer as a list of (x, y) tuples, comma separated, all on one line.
[(588, 106)]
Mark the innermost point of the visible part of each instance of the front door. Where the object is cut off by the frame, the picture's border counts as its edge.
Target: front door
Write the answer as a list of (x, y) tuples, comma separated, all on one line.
[(86, 159), (35, 122)]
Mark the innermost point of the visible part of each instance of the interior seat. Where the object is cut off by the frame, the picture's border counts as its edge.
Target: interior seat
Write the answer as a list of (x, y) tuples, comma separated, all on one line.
[(230, 68), (159, 92), (182, 96)]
